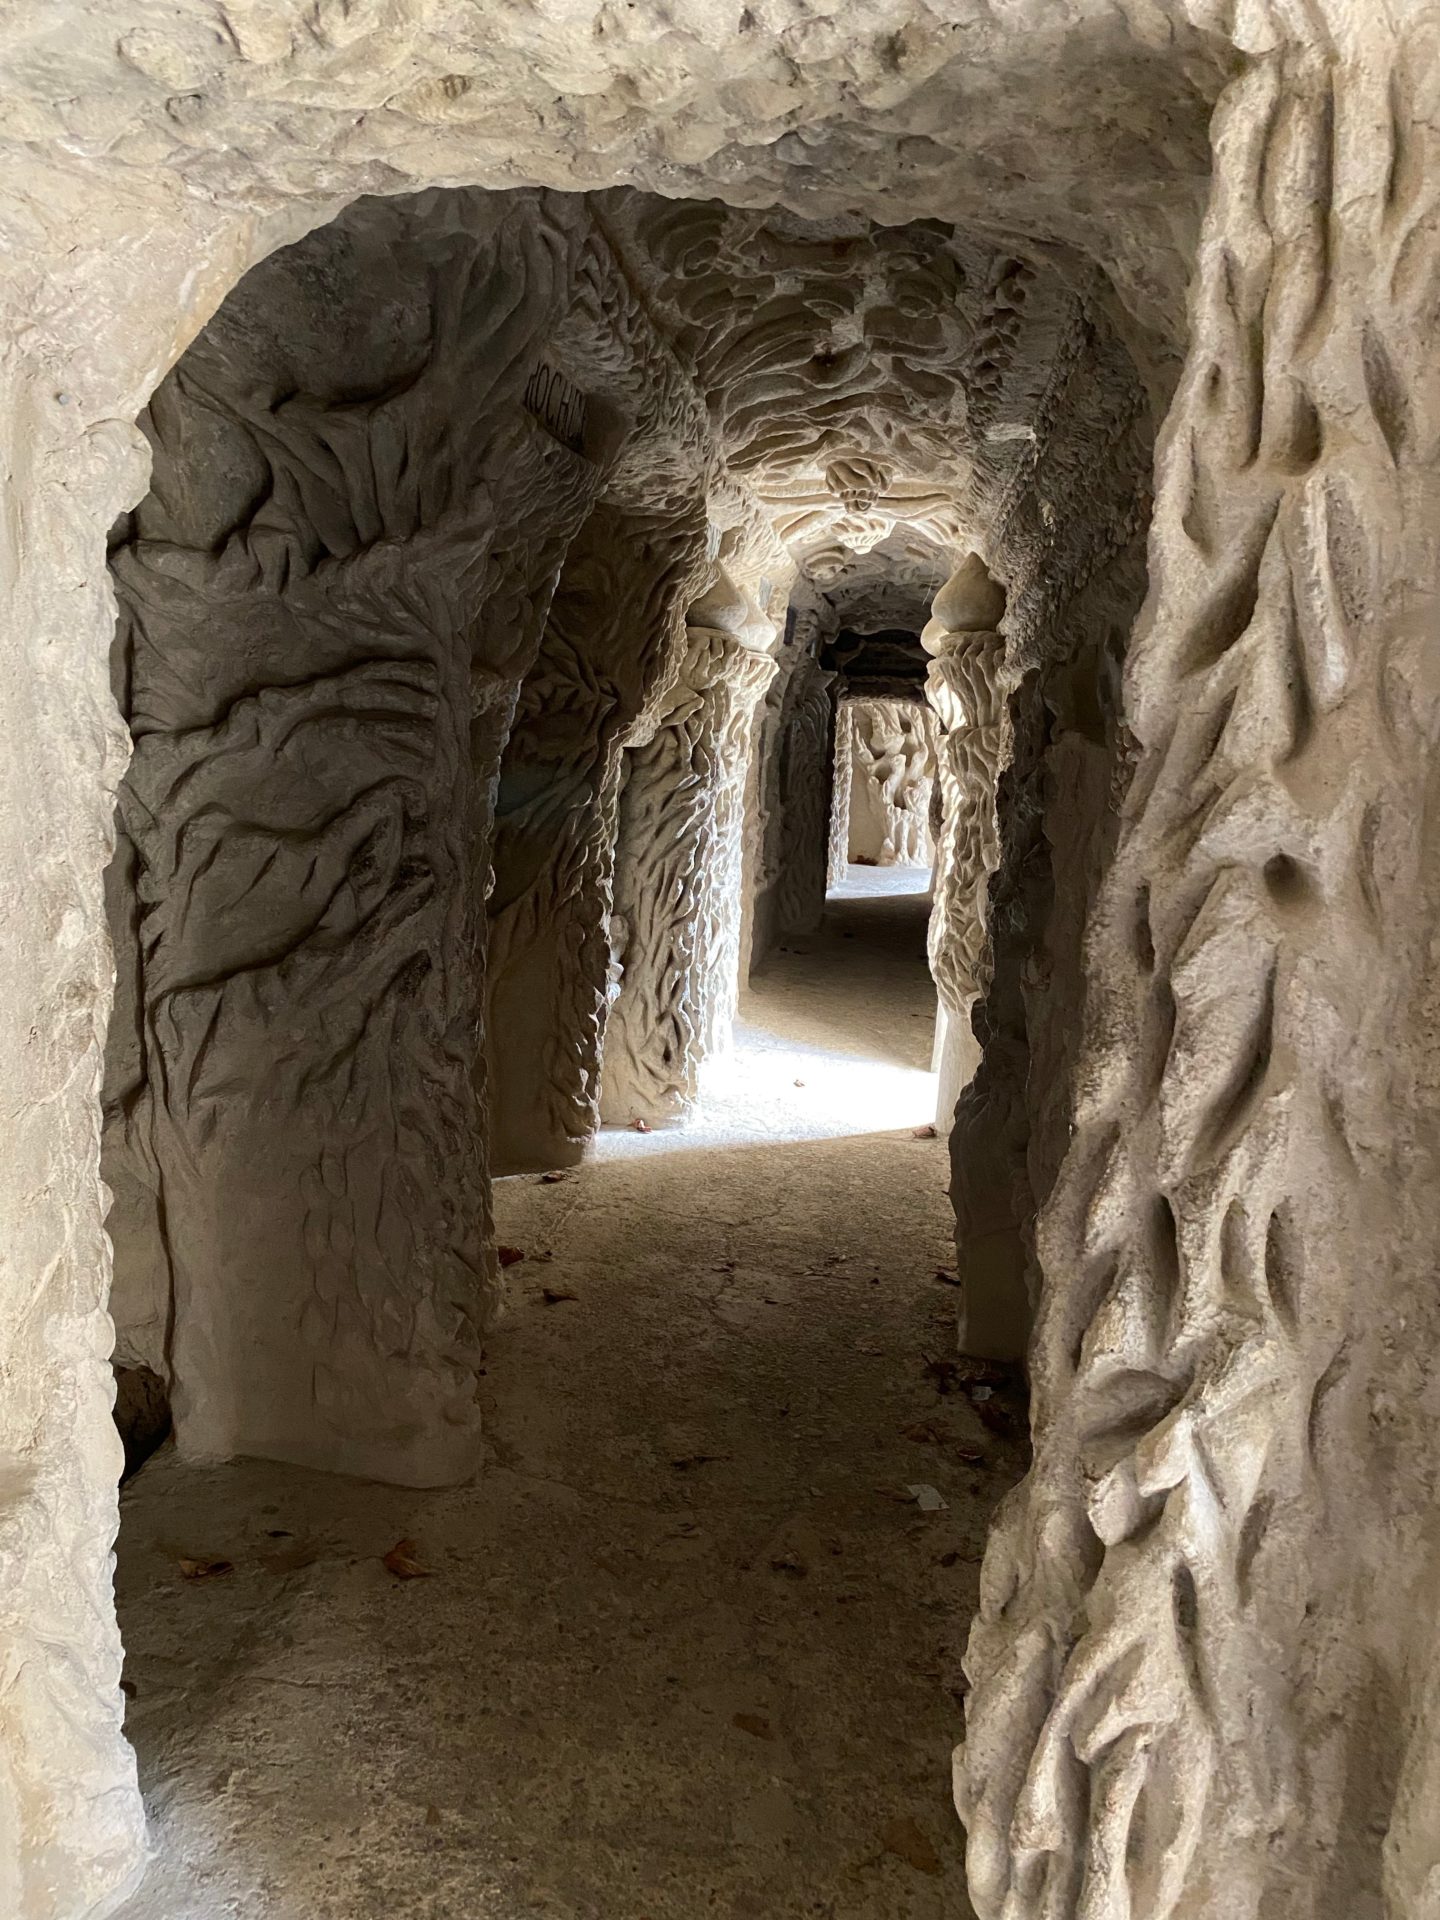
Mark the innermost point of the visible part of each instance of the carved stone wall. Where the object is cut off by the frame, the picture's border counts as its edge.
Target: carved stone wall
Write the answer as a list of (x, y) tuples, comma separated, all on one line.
[(317, 626), (614, 642), (674, 930), (1205, 1682), (837, 857), (963, 686), (891, 773), (795, 772), (1185, 1673), (1074, 584)]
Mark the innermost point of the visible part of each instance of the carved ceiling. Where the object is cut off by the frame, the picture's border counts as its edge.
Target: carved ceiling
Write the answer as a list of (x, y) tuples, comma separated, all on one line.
[(877, 387)]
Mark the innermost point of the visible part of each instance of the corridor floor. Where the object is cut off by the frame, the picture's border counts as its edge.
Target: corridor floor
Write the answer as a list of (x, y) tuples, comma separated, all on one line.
[(691, 1644)]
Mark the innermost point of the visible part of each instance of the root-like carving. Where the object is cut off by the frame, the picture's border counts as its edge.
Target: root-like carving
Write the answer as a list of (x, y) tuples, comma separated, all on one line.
[(1136, 1668)]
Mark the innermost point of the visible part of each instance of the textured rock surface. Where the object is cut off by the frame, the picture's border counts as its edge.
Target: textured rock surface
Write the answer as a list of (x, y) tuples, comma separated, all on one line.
[(1170, 1643), (891, 773)]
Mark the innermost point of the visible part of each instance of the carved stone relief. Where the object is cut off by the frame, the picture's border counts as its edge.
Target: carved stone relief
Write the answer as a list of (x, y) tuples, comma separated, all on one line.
[(794, 775), (963, 686), (892, 770), (304, 650), (1204, 1673), (614, 641), (674, 932), (1167, 1706)]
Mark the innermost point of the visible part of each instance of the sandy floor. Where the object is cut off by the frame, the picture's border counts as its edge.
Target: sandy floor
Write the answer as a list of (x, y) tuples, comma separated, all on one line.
[(691, 1644)]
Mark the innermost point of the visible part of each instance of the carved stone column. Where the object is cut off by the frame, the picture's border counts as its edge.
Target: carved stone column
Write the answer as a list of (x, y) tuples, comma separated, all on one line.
[(309, 666), (963, 688), (842, 761), (675, 930), (805, 771), (613, 639), (1202, 1679)]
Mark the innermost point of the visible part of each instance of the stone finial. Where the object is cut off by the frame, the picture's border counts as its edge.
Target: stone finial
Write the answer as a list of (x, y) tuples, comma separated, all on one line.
[(971, 601)]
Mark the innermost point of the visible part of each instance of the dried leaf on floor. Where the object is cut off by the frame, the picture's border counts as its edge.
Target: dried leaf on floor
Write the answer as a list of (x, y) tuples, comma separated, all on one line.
[(402, 1562), (924, 1433), (554, 1177), (754, 1723), (509, 1256), (923, 1133), (204, 1568), (790, 1563), (640, 1126), (907, 1841), (972, 1456), (683, 1462), (432, 1816), (552, 1296)]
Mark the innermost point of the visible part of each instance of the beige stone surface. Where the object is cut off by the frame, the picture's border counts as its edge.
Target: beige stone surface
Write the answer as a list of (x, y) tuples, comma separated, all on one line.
[(919, 275), (691, 1575)]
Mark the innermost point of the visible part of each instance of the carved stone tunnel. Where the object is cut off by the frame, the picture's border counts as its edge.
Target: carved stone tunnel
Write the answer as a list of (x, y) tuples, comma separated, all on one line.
[(525, 533)]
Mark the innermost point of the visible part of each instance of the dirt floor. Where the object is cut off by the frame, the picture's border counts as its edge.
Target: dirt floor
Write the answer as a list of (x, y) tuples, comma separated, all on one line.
[(691, 1643)]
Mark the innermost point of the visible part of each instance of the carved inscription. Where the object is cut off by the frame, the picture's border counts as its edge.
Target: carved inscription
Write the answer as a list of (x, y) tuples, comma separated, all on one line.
[(559, 405)]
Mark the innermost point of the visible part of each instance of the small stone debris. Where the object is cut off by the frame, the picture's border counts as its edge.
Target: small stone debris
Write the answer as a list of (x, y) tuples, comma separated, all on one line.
[(946, 1277), (640, 1126), (685, 1461), (789, 1563), (799, 1083), (552, 1296), (929, 1499), (923, 1133), (509, 1256), (553, 1178)]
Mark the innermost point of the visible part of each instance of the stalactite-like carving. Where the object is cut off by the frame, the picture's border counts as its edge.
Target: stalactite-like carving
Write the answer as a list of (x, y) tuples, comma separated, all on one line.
[(964, 688), (1141, 1734)]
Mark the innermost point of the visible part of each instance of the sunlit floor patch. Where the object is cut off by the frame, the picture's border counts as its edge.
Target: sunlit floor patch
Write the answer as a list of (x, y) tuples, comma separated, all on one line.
[(834, 1036)]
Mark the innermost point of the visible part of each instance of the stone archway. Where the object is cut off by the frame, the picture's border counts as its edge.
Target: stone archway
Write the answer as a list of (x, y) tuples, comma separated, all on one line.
[(1208, 1389)]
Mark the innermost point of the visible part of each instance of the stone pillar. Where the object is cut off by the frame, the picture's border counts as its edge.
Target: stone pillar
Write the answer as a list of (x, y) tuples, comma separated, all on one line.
[(842, 761), (614, 638), (1202, 1674), (307, 664), (675, 930), (963, 688), (805, 773)]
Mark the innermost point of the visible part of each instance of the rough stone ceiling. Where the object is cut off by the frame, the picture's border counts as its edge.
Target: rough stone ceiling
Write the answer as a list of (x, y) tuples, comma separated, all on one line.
[(1078, 123), (877, 387)]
